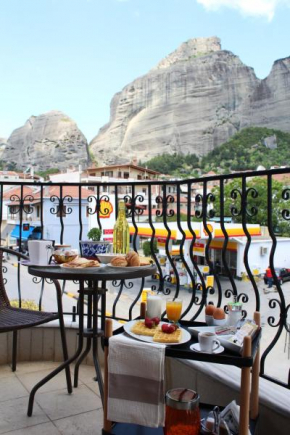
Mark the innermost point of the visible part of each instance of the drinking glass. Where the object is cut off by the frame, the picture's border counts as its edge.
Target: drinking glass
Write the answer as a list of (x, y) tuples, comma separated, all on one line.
[(173, 309)]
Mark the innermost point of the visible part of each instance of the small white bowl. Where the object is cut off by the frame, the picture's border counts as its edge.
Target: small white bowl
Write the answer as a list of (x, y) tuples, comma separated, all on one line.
[(219, 322), (106, 258)]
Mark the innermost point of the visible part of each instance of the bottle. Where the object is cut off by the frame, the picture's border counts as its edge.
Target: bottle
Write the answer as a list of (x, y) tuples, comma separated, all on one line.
[(121, 236)]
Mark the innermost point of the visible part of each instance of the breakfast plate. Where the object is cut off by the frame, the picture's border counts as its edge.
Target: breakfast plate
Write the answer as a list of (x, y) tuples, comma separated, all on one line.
[(77, 267), (185, 336), (129, 267), (29, 263), (196, 348)]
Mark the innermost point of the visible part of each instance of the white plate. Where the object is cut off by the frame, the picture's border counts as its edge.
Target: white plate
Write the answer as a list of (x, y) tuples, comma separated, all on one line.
[(79, 268), (185, 337), (28, 263), (196, 348), (129, 267)]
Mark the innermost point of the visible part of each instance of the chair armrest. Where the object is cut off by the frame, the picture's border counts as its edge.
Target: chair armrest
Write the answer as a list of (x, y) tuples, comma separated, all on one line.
[(12, 252)]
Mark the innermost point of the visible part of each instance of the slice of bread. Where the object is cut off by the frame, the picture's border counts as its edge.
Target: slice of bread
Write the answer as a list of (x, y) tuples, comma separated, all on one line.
[(139, 328), (162, 337)]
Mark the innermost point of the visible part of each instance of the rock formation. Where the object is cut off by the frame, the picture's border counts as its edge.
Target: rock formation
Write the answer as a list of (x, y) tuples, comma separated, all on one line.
[(3, 143), (192, 101), (51, 140)]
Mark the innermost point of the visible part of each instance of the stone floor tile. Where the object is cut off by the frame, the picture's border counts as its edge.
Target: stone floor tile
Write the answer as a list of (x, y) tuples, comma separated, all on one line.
[(88, 423), (60, 404), (86, 373), (94, 387), (5, 371), (13, 415), (56, 383), (40, 429), (29, 367), (11, 388)]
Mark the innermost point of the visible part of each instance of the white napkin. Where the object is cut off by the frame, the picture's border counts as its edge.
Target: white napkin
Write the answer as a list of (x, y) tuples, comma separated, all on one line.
[(136, 381)]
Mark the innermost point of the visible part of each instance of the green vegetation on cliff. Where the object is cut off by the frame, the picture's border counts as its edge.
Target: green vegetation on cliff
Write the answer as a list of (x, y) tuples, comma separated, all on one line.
[(173, 164), (245, 150)]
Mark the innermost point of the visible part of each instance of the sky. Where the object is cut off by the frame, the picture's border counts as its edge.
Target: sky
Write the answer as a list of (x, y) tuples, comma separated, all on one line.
[(74, 55)]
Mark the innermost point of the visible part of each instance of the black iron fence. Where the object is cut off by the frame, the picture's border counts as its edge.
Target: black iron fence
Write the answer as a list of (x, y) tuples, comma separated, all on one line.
[(202, 234)]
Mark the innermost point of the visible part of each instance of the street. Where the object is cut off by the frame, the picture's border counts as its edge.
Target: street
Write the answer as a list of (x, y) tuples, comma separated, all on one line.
[(31, 291)]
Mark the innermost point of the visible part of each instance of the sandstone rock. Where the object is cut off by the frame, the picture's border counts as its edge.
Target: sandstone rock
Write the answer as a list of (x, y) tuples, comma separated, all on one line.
[(3, 143), (50, 140), (194, 100)]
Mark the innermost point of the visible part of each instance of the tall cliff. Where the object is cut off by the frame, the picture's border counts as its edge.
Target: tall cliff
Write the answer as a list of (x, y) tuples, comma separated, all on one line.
[(192, 101), (50, 140)]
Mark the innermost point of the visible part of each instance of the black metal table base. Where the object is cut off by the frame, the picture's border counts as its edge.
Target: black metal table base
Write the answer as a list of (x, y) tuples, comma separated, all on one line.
[(92, 331)]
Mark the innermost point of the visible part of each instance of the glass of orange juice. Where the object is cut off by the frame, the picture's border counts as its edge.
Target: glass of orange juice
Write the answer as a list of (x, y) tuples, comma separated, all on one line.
[(173, 309)]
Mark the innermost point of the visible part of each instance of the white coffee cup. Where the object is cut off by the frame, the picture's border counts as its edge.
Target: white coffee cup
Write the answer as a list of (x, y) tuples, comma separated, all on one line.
[(208, 342), (39, 251)]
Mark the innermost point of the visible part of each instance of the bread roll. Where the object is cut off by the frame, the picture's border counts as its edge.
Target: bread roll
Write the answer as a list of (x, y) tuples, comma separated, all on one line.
[(119, 262), (144, 261), (133, 259)]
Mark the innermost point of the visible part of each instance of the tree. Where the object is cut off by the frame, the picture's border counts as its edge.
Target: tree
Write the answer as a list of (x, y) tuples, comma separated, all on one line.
[(257, 203), (147, 248)]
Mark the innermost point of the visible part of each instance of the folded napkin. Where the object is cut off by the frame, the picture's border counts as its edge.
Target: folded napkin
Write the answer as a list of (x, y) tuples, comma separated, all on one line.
[(136, 381)]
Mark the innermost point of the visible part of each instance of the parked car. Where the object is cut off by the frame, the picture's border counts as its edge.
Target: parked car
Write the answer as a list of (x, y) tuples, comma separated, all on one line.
[(282, 275), (35, 235)]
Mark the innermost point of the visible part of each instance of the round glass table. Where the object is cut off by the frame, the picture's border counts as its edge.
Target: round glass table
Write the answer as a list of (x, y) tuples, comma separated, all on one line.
[(92, 284)]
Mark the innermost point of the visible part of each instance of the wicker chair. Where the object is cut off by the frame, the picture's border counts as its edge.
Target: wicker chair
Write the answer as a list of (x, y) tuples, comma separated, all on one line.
[(13, 319)]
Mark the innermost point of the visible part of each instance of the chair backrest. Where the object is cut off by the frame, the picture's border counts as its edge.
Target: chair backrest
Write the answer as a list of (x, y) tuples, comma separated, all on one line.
[(4, 300)]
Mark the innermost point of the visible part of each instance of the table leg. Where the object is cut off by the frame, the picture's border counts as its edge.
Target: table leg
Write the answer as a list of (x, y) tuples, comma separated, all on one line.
[(88, 346), (68, 361), (245, 389), (95, 340)]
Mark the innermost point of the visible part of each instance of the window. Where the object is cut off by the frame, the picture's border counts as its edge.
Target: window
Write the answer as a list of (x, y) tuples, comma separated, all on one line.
[(13, 209), (139, 177), (126, 175), (38, 211), (62, 212), (119, 174)]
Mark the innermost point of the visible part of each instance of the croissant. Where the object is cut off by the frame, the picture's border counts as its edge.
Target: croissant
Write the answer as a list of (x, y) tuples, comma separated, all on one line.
[(119, 262), (133, 259)]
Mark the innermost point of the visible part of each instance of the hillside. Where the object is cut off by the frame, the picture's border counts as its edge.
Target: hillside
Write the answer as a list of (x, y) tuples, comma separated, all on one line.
[(245, 150)]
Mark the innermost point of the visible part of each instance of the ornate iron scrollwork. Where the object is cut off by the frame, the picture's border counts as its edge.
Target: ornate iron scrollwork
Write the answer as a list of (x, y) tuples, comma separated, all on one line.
[(286, 196), (23, 206), (60, 207), (165, 201)]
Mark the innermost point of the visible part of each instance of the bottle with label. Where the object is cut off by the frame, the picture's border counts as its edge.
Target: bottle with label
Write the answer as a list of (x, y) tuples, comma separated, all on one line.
[(121, 236)]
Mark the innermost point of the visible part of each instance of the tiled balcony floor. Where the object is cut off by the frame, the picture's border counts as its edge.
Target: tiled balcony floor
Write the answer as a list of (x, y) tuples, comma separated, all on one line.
[(55, 411)]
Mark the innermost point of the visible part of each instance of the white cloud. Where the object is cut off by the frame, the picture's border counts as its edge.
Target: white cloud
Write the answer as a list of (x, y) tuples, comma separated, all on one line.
[(262, 8)]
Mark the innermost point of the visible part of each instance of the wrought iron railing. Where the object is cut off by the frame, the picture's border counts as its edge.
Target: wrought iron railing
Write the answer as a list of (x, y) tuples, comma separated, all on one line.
[(199, 209)]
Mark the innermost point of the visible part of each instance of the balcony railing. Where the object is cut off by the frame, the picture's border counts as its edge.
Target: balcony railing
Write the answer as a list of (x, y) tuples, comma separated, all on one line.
[(201, 231)]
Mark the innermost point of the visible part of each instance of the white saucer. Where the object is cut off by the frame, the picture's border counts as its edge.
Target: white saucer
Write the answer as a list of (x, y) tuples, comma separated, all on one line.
[(196, 348)]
